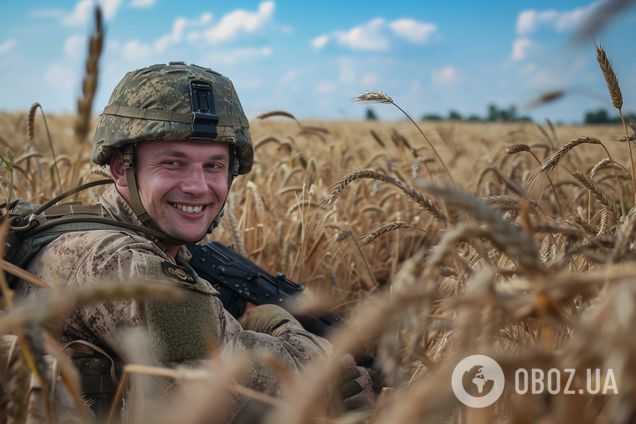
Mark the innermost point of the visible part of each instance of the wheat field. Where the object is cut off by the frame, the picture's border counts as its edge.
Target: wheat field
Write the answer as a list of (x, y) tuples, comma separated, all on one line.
[(435, 240)]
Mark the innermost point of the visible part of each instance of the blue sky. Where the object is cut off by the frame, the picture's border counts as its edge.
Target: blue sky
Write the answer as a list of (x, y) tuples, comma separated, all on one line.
[(310, 58)]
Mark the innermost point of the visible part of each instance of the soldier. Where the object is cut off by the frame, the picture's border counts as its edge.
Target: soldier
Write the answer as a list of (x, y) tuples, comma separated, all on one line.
[(174, 136)]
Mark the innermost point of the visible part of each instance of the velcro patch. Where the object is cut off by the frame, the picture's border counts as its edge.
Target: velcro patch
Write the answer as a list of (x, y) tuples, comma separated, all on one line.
[(178, 272)]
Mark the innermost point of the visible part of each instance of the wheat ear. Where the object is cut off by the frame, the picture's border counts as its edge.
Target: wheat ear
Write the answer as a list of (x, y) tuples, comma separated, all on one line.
[(505, 235), (598, 192), (550, 163), (617, 100), (518, 148), (415, 195), (89, 85), (31, 131), (380, 97), (385, 228), (89, 88), (280, 113)]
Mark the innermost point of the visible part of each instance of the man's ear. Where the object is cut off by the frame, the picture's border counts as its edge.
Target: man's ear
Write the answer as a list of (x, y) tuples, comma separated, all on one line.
[(117, 169)]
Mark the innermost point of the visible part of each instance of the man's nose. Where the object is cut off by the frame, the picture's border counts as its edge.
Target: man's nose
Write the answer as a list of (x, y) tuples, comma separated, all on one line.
[(194, 182)]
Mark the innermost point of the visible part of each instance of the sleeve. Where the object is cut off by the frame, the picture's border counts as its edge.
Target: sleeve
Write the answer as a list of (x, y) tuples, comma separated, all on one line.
[(274, 334)]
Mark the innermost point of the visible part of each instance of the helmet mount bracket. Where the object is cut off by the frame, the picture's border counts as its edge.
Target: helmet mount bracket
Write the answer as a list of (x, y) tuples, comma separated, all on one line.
[(205, 117)]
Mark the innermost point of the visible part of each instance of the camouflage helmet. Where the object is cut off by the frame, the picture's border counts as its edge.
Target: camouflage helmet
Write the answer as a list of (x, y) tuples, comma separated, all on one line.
[(173, 102)]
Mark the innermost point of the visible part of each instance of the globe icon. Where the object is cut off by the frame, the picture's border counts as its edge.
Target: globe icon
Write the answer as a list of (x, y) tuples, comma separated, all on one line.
[(476, 382)]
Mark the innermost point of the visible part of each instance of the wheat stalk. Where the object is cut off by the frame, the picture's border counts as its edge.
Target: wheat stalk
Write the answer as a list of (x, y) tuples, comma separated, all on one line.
[(517, 148), (16, 391), (381, 97), (617, 100), (265, 141), (625, 235), (550, 163), (610, 77), (89, 85), (377, 139), (383, 229), (415, 195), (89, 88), (31, 130), (236, 234), (280, 113), (598, 192), (59, 303), (505, 235)]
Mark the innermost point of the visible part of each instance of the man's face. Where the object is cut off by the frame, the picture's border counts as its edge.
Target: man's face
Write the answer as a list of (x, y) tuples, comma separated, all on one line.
[(182, 184)]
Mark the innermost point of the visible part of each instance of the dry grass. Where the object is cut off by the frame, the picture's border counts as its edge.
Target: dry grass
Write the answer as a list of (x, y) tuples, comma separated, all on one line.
[(427, 274)]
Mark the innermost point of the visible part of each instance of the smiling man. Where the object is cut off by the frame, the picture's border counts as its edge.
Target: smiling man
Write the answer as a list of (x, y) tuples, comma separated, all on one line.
[(182, 185), (174, 136)]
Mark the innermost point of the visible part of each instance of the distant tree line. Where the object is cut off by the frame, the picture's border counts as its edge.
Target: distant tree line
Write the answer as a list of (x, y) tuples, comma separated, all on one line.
[(602, 117), (494, 114)]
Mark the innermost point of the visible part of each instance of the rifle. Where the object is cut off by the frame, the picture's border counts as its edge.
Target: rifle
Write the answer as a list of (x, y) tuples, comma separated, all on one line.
[(239, 280)]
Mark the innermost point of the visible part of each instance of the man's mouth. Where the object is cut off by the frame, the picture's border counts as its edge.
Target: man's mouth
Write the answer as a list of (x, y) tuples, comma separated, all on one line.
[(186, 208)]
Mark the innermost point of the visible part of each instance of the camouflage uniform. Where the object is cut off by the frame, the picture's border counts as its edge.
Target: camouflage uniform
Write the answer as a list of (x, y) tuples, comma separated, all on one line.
[(99, 256), (171, 102)]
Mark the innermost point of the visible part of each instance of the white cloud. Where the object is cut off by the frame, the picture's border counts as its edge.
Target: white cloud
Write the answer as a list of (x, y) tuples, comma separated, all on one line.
[(365, 37), (320, 41), (376, 34), (8, 45), (325, 87), (530, 20), (369, 79), (75, 45), (142, 3), (521, 48), (79, 15), (84, 9), (412, 30), (446, 76), (178, 28), (238, 22), (134, 51), (110, 8), (230, 26), (59, 76)]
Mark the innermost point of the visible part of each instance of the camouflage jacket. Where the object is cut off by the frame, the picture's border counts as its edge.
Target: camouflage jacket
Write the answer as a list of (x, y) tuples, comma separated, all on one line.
[(99, 256)]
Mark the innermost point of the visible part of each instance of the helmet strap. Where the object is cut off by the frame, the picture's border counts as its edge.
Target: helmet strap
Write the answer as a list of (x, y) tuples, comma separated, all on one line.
[(133, 191)]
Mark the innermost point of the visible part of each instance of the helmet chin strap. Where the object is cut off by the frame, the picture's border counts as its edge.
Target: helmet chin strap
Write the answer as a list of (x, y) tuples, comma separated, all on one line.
[(138, 207), (133, 190)]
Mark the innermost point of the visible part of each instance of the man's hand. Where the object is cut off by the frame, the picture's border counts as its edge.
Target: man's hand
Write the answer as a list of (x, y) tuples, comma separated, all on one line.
[(249, 307), (352, 391)]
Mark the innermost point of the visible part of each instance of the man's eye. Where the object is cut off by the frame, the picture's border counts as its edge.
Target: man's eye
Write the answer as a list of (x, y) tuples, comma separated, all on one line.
[(171, 163)]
